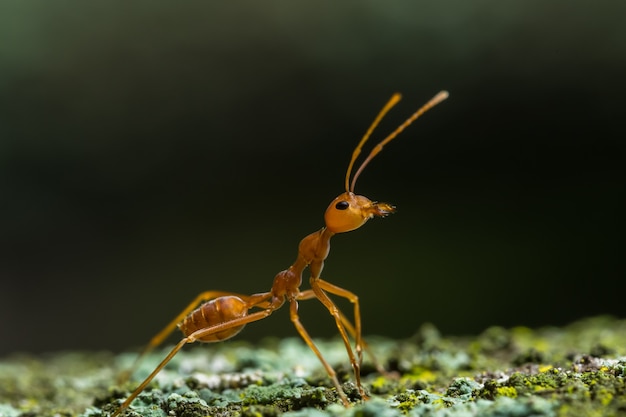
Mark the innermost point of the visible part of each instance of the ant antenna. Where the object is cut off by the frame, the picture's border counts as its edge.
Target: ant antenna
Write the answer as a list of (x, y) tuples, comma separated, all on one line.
[(355, 154), (438, 98)]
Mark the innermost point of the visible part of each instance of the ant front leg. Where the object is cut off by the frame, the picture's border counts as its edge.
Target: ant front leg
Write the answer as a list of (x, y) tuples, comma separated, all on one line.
[(318, 286), (354, 299), (309, 294)]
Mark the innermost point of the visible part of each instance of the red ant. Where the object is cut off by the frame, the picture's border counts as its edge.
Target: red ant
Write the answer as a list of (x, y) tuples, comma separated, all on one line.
[(221, 314)]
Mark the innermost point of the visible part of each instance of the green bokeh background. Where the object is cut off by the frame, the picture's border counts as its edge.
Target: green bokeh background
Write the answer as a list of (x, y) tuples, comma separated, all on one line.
[(152, 150)]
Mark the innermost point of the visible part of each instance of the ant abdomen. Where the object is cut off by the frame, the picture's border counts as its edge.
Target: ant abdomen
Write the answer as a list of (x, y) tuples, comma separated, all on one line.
[(219, 310)]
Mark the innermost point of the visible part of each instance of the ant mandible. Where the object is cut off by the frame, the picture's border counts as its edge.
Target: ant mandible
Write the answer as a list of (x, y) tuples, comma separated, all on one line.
[(221, 314)]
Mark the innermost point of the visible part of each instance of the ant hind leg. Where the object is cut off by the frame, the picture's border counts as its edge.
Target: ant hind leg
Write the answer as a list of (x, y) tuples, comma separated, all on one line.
[(171, 326)]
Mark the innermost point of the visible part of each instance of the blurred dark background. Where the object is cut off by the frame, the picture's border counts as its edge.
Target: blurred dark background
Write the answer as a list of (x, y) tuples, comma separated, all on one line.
[(149, 151)]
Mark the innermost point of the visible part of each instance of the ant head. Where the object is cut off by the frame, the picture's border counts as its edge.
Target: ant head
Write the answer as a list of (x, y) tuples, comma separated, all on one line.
[(350, 211)]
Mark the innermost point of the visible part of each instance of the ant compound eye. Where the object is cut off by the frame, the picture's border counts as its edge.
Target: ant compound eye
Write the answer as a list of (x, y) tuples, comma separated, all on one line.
[(342, 205)]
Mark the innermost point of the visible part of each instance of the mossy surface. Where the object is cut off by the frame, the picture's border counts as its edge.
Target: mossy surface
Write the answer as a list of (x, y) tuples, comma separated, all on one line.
[(578, 370)]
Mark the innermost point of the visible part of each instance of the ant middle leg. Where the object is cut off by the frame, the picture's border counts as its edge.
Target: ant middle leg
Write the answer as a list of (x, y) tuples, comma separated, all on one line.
[(295, 319)]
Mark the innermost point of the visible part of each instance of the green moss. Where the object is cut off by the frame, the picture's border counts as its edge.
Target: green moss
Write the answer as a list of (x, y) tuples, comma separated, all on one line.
[(462, 388), (578, 370)]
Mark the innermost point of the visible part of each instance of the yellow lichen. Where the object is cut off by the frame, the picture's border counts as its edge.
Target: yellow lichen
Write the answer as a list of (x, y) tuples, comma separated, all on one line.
[(545, 368), (506, 392), (420, 374)]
